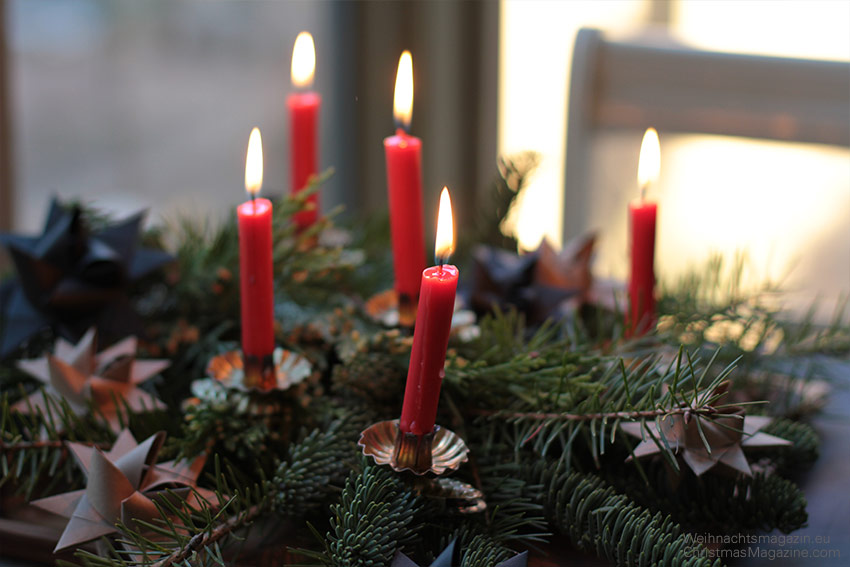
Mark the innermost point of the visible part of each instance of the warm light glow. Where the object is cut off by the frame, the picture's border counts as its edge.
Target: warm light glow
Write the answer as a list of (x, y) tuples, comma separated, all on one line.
[(254, 163), (535, 55), (650, 160), (815, 29), (445, 244), (303, 60), (403, 99)]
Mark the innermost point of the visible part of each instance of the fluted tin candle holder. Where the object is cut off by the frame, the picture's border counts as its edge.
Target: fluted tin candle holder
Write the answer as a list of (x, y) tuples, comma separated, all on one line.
[(392, 309), (278, 371), (455, 494), (436, 452)]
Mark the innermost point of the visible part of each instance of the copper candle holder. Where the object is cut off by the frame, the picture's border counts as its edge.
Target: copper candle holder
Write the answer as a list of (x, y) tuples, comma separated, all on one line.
[(259, 372), (455, 494), (277, 371), (392, 309), (436, 452)]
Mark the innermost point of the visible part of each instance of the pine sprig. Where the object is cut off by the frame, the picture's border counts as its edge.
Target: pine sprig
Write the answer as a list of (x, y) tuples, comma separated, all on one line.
[(373, 519), (189, 529), (804, 449), (315, 468), (555, 399), (33, 455), (482, 551), (597, 518)]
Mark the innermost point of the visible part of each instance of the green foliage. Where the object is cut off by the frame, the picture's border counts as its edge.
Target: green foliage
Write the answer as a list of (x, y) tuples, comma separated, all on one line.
[(710, 308), (187, 534), (373, 519), (33, 456), (316, 468), (598, 518), (714, 503), (505, 368), (481, 551), (801, 455), (540, 409)]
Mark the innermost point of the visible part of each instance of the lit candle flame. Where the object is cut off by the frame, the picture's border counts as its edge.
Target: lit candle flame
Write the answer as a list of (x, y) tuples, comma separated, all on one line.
[(254, 164), (303, 60), (445, 241), (403, 98), (650, 160)]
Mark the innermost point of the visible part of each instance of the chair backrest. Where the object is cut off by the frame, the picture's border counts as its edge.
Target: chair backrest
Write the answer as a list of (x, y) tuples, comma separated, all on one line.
[(634, 85)]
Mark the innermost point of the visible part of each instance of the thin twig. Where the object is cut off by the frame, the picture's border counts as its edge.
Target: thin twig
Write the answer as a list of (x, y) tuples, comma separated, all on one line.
[(207, 538), (629, 415)]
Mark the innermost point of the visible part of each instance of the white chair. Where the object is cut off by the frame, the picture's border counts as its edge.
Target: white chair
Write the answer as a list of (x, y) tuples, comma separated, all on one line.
[(634, 85)]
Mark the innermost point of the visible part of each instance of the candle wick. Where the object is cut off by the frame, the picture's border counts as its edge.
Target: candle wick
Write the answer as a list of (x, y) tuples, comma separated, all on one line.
[(643, 193), (254, 202), (401, 129)]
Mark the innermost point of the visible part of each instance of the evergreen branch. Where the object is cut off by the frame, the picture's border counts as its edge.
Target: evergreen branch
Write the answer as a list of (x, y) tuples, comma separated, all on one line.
[(33, 455), (801, 455), (315, 467), (482, 551), (714, 503), (626, 415), (373, 520), (597, 518), (208, 538), (189, 528)]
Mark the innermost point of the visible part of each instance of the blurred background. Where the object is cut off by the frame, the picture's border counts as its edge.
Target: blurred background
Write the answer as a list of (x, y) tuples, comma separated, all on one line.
[(132, 105)]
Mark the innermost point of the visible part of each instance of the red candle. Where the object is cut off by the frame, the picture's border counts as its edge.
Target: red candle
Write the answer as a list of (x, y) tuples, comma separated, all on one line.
[(404, 183), (255, 259), (642, 215), (431, 334), (303, 120)]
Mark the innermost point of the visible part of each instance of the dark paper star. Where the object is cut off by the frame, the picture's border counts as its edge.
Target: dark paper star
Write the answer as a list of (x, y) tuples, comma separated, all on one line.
[(70, 278), (540, 284)]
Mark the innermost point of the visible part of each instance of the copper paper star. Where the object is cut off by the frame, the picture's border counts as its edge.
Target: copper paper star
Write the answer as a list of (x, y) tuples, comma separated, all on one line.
[(78, 374), (727, 434), (121, 486)]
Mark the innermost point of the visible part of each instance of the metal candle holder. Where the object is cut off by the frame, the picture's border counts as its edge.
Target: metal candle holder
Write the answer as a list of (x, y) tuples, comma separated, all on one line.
[(391, 309), (259, 372), (436, 452), (277, 371)]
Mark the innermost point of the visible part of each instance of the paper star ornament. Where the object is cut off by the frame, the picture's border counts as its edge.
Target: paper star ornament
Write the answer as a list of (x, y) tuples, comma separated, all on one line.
[(70, 278), (727, 433), (81, 376), (121, 486), (450, 557), (541, 284)]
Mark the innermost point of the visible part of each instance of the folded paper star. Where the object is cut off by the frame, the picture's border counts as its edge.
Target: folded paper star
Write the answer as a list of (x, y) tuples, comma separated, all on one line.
[(122, 486), (728, 432), (69, 279), (86, 378), (451, 557)]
